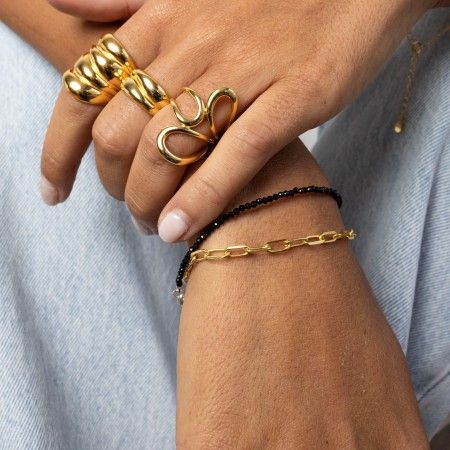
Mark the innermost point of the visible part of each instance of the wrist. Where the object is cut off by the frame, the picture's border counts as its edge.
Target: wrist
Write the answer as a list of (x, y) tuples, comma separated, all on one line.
[(298, 168), (288, 218)]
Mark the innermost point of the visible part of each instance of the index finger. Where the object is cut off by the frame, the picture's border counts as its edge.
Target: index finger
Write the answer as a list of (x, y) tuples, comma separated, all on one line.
[(68, 137), (70, 130)]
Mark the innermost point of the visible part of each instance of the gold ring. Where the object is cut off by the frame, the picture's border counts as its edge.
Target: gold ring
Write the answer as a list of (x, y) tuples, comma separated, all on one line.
[(187, 125), (97, 75), (145, 91)]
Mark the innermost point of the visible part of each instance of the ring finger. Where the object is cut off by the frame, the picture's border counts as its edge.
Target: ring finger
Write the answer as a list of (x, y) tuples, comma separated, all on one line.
[(153, 180), (118, 128)]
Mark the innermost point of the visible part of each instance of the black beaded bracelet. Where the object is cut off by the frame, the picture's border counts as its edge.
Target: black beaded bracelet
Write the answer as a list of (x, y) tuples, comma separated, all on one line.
[(245, 207)]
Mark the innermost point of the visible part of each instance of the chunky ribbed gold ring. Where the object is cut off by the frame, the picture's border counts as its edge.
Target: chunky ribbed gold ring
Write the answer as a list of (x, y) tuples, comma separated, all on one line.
[(145, 91), (187, 125), (96, 76)]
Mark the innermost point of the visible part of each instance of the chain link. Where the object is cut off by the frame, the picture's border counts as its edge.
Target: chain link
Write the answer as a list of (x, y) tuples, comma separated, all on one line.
[(278, 246)]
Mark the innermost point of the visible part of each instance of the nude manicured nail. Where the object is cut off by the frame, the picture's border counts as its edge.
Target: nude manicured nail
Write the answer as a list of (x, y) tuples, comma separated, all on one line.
[(173, 226), (49, 192), (142, 228)]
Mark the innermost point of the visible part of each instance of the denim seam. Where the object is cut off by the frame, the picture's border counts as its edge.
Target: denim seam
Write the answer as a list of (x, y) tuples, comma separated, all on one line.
[(433, 386)]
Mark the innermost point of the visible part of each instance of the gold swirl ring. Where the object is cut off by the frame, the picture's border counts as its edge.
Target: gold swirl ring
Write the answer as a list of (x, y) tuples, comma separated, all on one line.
[(97, 75), (187, 125)]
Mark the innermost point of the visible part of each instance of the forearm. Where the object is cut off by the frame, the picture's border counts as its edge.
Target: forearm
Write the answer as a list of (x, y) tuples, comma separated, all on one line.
[(292, 338), (319, 274)]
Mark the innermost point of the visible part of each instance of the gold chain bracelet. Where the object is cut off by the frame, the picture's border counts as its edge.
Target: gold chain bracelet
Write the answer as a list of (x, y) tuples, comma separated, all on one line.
[(278, 246)]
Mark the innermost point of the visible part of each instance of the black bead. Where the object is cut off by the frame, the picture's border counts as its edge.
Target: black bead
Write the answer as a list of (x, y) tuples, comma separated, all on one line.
[(237, 210)]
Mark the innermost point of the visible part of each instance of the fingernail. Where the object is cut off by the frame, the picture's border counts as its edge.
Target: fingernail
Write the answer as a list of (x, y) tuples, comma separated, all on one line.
[(142, 228), (49, 192), (173, 226)]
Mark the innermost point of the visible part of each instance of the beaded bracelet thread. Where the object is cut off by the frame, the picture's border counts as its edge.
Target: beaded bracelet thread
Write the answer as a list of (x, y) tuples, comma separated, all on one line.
[(179, 291)]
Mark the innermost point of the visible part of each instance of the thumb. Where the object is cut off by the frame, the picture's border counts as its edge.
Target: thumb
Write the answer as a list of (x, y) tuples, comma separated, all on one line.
[(98, 10), (240, 154)]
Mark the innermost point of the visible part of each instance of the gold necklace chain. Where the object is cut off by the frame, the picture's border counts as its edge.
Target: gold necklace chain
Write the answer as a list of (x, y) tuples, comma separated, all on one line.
[(278, 246), (416, 48)]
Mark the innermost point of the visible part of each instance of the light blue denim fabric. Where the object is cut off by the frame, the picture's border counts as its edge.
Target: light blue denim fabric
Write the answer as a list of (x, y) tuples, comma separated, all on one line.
[(396, 191), (88, 327)]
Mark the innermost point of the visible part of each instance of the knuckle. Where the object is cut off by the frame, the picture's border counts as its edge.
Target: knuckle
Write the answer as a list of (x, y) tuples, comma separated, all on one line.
[(138, 207), (114, 193), (57, 3), (153, 160), (318, 80), (113, 188), (160, 14), (312, 76), (208, 190), (254, 140), (53, 168), (107, 142), (157, 165), (151, 131)]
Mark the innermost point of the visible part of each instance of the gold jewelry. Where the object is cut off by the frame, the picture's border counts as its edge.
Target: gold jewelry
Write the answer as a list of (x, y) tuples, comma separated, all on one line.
[(278, 246), (145, 91), (96, 76), (188, 124), (416, 48)]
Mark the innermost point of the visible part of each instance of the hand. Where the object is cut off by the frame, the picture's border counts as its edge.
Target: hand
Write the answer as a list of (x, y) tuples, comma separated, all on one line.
[(289, 351), (293, 65), (279, 325), (110, 10)]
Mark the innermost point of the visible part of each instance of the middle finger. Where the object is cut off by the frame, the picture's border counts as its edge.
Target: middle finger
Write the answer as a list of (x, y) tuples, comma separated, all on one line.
[(152, 179), (118, 128)]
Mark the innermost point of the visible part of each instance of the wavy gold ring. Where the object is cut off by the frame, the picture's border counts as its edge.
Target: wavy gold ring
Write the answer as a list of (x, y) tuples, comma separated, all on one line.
[(187, 125), (145, 91), (97, 75)]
